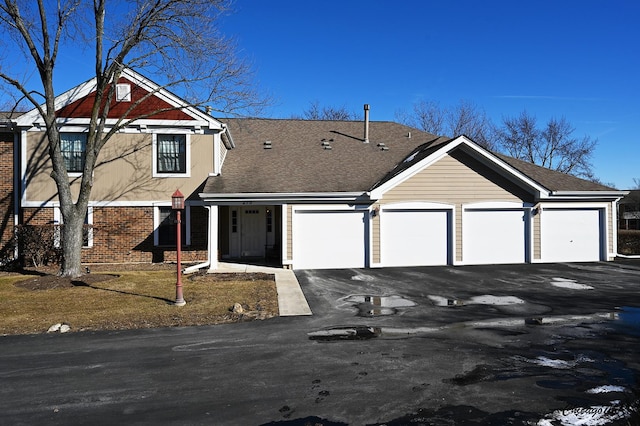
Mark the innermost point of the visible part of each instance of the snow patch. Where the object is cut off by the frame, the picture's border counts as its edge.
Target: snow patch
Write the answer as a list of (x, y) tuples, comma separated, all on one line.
[(607, 389), (489, 299), (570, 284), (594, 415), (362, 277)]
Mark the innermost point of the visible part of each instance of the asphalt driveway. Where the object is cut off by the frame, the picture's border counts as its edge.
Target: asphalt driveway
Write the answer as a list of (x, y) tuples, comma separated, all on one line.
[(528, 344)]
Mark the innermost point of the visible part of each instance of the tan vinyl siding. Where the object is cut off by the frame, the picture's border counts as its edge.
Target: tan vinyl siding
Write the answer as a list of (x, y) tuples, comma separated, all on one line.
[(375, 236), (537, 251), (456, 179), (123, 172)]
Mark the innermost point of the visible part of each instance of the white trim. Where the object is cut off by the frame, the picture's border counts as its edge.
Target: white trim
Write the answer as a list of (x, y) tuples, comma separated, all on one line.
[(416, 205), (279, 198), (285, 230), (497, 205)]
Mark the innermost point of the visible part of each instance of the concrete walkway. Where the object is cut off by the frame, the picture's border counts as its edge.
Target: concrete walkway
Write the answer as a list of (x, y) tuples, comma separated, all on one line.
[(291, 300)]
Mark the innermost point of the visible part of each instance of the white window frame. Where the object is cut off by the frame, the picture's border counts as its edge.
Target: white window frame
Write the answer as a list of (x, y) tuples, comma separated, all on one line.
[(186, 217), (57, 220), (154, 144), (74, 174)]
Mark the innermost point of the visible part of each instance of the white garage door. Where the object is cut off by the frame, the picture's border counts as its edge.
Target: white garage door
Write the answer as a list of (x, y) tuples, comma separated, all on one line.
[(329, 239), (414, 237), (494, 236), (570, 235)]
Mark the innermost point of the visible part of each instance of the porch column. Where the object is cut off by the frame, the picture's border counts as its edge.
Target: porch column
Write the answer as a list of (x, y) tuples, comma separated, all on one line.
[(213, 237)]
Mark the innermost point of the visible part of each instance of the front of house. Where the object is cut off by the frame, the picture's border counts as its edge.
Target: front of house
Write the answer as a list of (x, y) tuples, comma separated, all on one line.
[(310, 194)]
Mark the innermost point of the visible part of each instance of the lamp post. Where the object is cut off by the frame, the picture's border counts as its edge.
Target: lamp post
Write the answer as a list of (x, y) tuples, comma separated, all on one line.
[(177, 204)]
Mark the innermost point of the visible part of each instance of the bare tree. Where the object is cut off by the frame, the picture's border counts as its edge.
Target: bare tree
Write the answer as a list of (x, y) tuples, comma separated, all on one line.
[(316, 112), (465, 118), (552, 147), (175, 41)]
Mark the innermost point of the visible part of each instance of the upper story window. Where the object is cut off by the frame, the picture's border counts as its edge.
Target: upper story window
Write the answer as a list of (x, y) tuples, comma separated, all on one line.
[(171, 155), (73, 147)]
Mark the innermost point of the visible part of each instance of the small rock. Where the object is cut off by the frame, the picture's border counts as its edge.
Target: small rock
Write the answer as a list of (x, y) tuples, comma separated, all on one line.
[(54, 328), (65, 328), (237, 308)]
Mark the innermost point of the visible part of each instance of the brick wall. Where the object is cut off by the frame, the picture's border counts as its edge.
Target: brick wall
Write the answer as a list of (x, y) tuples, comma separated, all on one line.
[(6, 195), (125, 235)]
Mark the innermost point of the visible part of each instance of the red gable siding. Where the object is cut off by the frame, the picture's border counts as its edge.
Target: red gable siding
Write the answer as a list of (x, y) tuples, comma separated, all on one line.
[(82, 107)]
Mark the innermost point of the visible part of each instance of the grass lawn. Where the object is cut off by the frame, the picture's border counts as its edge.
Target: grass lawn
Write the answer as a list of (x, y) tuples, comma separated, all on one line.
[(32, 301)]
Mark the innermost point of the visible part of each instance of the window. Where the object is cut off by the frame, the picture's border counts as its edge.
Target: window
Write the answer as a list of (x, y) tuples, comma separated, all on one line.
[(167, 226), (87, 229), (73, 147), (171, 155)]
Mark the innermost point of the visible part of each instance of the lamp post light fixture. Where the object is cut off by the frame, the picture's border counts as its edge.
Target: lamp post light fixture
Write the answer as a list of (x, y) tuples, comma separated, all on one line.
[(177, 204)]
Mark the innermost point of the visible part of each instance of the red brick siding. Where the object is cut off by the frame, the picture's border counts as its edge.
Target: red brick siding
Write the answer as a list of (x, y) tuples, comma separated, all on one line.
[(125, 235)]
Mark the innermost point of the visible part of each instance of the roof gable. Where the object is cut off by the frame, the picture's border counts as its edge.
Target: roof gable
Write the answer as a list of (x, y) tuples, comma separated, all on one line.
[(154, 105)]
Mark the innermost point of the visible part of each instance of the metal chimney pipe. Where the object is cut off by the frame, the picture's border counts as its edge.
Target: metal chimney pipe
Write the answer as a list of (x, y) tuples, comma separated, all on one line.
[(366, 123)]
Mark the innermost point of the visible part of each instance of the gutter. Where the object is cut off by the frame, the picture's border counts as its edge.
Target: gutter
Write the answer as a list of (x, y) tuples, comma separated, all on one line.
[(261, 197)]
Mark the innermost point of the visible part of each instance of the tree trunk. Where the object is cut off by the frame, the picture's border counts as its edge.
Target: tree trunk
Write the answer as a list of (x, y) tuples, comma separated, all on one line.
[(72, 239)]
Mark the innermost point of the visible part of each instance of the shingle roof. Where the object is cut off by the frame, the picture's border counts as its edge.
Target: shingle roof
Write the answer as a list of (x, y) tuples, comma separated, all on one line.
[(552, 180), (298, 162)]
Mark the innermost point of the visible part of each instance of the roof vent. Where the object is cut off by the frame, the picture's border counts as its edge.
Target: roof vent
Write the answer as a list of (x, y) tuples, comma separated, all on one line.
[(267, 145), (384, 148), (328, 147)]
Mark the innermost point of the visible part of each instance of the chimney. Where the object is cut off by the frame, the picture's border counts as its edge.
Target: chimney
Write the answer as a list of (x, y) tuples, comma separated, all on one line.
[(366, 123)]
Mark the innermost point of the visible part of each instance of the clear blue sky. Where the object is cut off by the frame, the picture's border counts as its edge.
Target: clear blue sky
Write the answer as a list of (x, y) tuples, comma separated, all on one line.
[(574, 58), (577, 59)]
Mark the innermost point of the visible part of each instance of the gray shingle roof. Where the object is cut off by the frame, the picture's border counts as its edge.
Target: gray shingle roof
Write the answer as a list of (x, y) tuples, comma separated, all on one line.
[(552, 180), (297, 161)]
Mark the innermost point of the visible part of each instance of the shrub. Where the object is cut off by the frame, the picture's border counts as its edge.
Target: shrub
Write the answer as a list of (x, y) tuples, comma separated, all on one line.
[(39, 244), (628, 241)]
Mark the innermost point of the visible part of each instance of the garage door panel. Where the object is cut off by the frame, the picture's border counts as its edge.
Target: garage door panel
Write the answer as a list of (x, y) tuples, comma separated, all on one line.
[(415, 237), (494, 236), (571, 235), (329, 239)]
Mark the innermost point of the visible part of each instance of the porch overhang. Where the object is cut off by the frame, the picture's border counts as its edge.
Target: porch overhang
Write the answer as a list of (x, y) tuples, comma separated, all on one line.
[(284, 198)]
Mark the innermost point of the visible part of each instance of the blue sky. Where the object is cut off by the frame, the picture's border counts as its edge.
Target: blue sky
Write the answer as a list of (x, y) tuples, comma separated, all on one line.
[(577, 59)]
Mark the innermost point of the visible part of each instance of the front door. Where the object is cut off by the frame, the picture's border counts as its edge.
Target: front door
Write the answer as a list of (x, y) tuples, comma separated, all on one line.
[(253, 231)]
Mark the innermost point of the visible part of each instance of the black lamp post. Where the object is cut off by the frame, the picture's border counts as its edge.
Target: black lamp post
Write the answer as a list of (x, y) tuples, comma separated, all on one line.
[(177, 204)]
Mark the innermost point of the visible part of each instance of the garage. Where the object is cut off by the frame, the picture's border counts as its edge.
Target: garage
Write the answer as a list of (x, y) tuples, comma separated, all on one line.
[(571, 235), (415, 237), (494, 236), (325, 239)]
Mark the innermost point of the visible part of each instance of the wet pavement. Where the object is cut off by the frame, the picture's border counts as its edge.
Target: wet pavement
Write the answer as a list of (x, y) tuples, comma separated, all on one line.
[(529, 344)]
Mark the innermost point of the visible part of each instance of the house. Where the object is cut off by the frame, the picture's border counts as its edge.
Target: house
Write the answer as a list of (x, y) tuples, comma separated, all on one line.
[(629, 210), (307, 194)]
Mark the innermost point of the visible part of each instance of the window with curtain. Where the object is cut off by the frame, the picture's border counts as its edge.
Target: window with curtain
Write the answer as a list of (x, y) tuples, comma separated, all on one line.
[(171, 152), (73, 147)]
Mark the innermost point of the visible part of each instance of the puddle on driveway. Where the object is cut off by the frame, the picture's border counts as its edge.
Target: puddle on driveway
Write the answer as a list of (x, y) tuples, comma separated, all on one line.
[(369, 306), (628, 320), (358, 332)]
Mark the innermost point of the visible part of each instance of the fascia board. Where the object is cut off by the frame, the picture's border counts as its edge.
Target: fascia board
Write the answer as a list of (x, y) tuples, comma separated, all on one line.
[(341, 197), (585, 195)]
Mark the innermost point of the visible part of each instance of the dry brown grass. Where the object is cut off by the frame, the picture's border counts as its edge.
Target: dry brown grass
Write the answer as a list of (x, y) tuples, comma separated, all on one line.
[(115, 300)]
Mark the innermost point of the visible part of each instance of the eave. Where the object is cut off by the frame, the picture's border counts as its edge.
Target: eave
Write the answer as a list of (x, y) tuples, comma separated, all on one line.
[(283, 198)]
